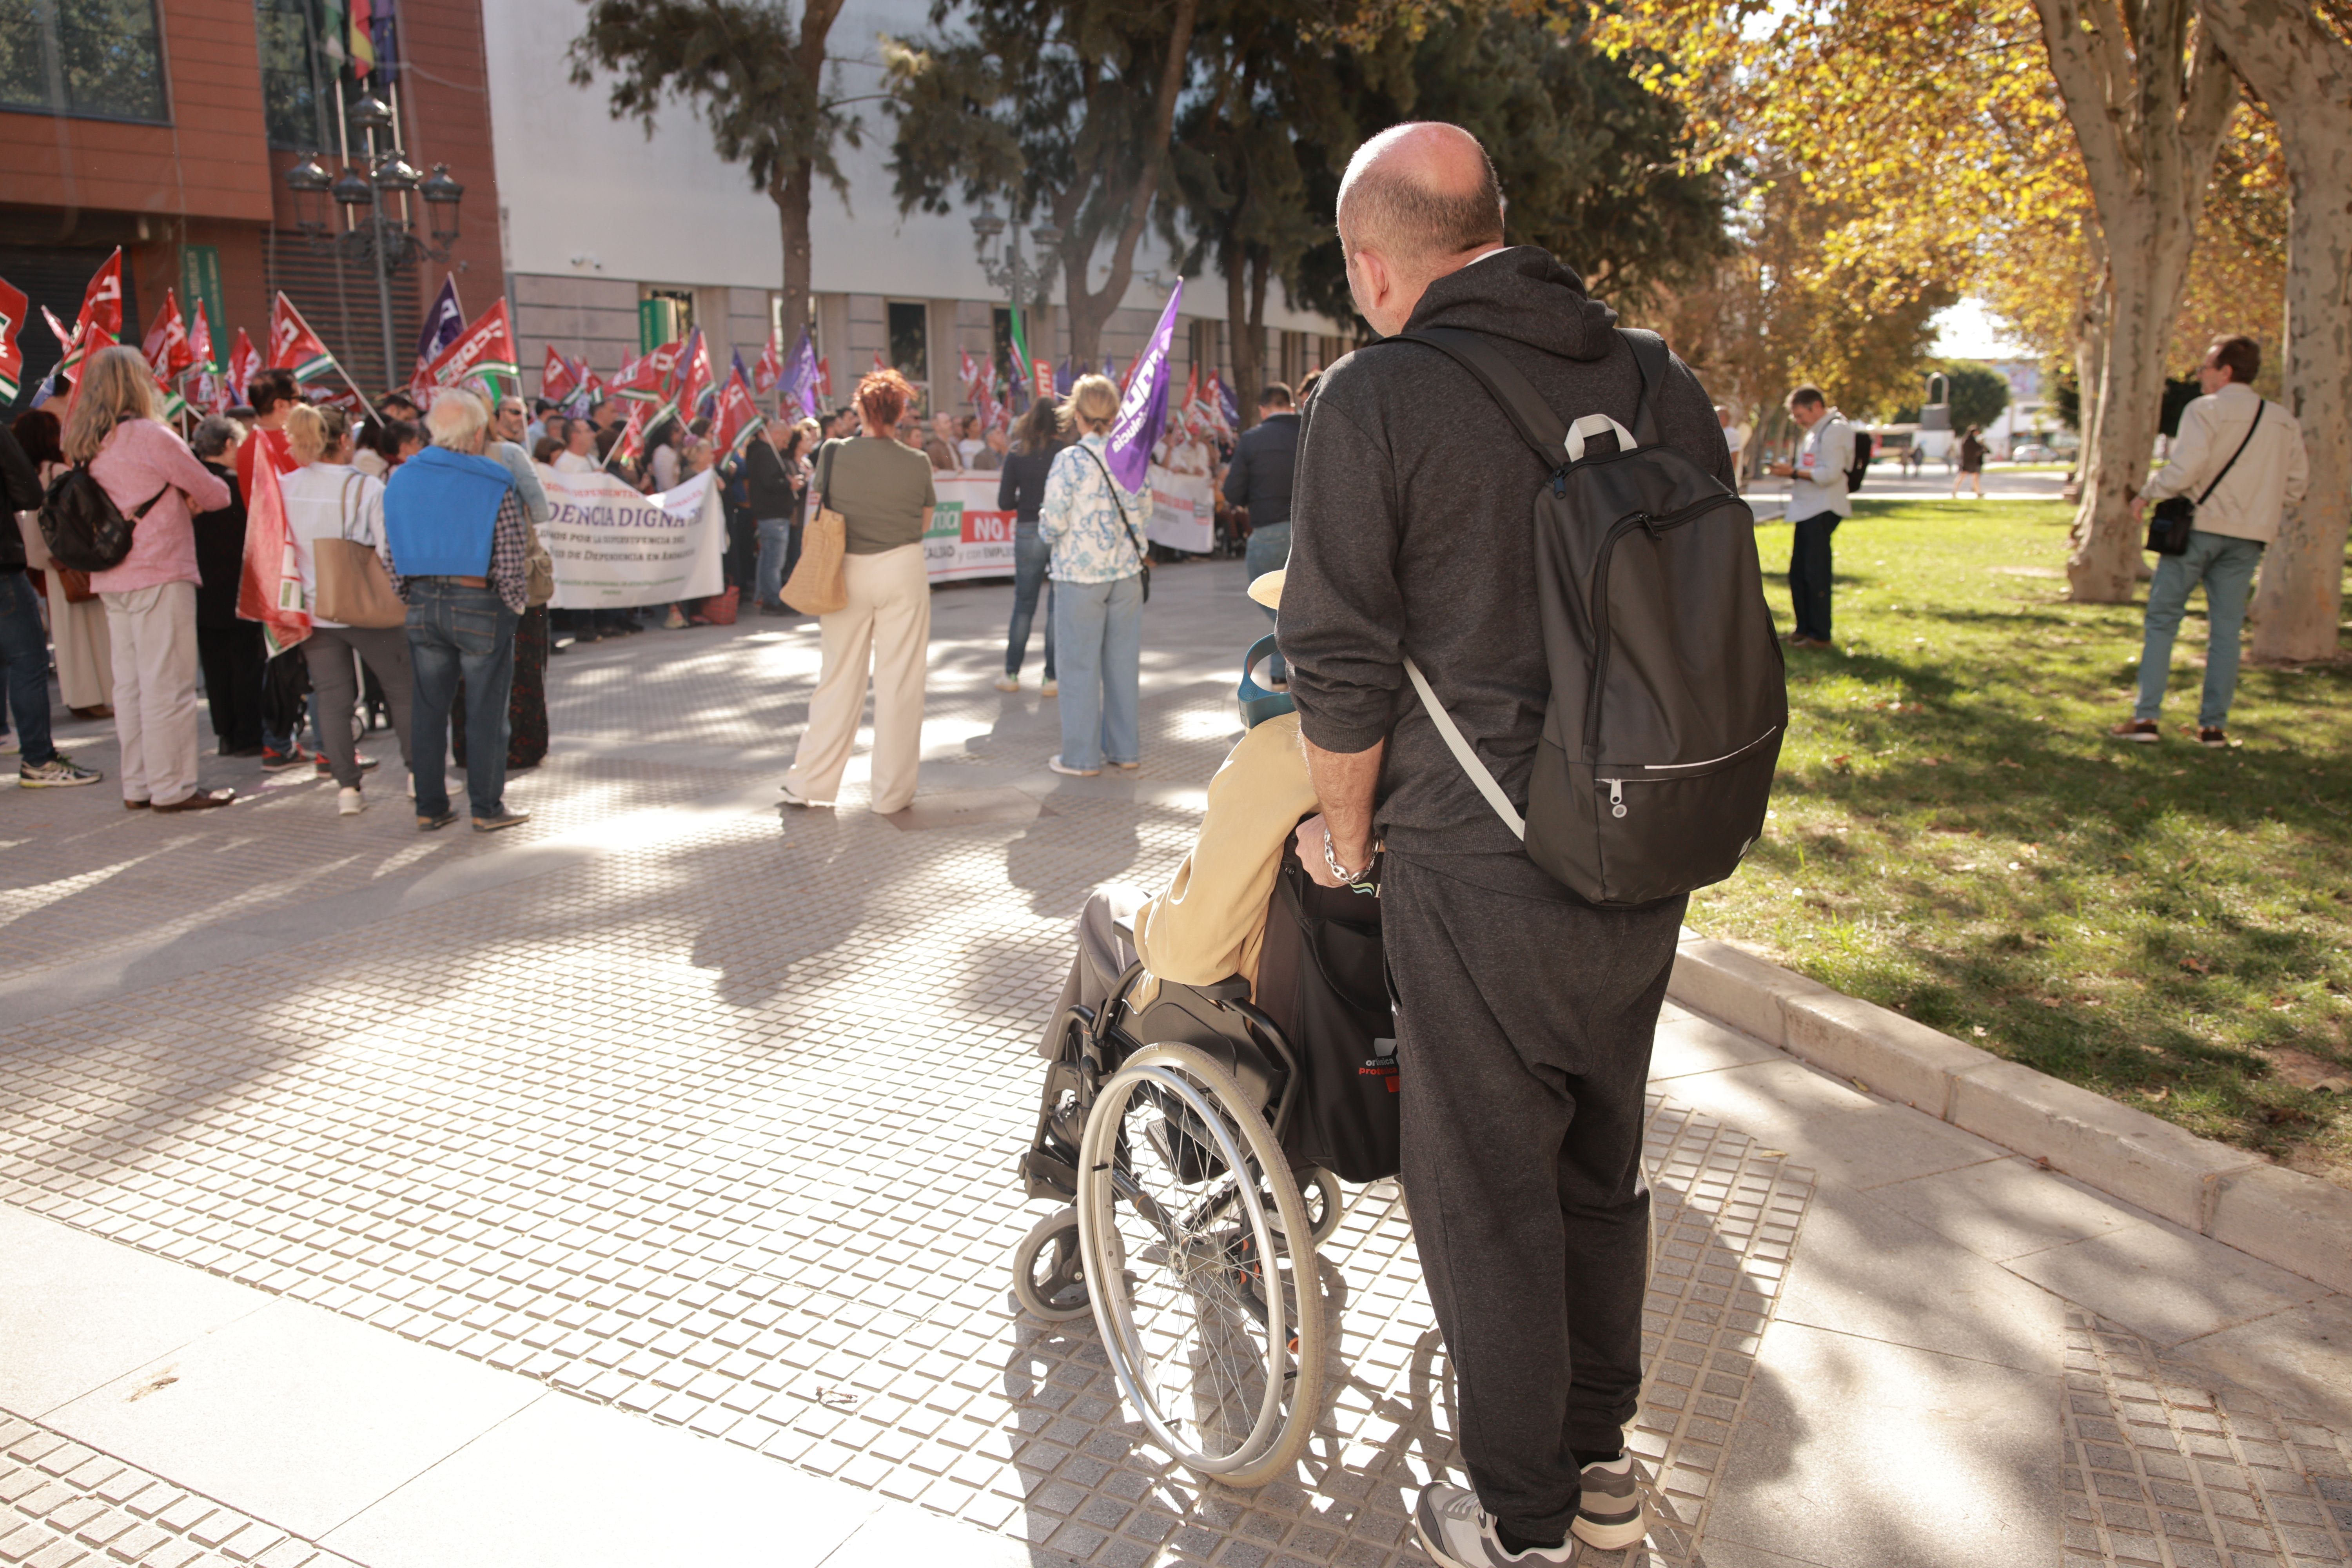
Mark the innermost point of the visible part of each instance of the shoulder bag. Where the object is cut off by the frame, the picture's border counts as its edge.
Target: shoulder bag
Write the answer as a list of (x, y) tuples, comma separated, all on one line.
[(818, 587), (354, 586), (2168, 526), (1140, 554)]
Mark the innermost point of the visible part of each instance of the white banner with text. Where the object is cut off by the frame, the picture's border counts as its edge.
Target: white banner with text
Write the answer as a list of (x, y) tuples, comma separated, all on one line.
[(615, 548)]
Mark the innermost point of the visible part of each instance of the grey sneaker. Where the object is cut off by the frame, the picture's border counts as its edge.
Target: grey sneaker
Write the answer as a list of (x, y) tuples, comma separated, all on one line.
[(55, 774), (1609, 1518), (1457, 1533)]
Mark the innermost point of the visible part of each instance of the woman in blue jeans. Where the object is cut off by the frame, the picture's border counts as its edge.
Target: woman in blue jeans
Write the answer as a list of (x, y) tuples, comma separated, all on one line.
[(1094, 527), (1021, 491)]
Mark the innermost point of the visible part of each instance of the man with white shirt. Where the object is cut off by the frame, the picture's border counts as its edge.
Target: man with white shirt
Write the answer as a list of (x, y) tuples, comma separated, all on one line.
[(1818, 502), (2241, 460), (579, 454)]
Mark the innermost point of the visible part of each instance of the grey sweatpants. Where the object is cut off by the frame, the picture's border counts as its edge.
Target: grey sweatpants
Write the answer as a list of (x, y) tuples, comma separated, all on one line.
[(336, 680), (1524, 1023)]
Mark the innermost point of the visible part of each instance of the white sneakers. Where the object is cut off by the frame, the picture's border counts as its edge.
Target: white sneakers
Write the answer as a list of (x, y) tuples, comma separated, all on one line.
[(1008, 683), (349, 802), (1456, 1533)]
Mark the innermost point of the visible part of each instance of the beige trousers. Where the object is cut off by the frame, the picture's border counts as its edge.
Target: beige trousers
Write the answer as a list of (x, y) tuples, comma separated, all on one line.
[(887, 620), (154, 637)]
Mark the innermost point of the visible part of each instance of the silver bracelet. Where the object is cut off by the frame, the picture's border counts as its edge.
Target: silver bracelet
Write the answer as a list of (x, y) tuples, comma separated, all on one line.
[(1339, 873)]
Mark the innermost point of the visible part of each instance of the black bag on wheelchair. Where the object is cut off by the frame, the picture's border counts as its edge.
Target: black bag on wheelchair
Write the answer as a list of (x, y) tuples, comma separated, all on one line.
[(1322, 977)]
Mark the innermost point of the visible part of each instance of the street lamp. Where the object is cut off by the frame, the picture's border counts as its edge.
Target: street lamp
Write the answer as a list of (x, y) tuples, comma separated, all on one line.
[(1013, 272), (374, 172)]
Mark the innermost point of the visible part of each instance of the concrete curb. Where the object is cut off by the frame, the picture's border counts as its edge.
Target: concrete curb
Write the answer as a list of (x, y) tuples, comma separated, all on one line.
[(2298, 1222)]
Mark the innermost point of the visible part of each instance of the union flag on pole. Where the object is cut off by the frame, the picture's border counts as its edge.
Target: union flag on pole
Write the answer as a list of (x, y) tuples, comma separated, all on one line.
[(631, 444), (641, 380), (199, 342), (166, 347), (293, 345), (591, 393), (244, 359), (824, 378), (269, 589), (692, 376), (486, 346), (101, 308), (12, 305), (557, 376), (801, 376), (738, 416), (768, 369)]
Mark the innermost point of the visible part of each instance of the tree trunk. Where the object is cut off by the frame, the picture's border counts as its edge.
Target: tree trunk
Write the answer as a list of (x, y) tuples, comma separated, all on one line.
[(792, 198), (2148, 129), (1261, 268), (2303, 73), (1237, 328)]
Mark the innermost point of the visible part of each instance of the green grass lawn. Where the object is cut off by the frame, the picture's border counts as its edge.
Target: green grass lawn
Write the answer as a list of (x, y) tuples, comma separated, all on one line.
[(1953, 835)]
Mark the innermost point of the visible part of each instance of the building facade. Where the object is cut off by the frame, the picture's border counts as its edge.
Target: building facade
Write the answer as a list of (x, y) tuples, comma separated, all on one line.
[(615, 241), (166, 127)]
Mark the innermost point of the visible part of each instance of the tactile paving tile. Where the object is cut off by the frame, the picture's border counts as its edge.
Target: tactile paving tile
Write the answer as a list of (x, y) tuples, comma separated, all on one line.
[(63, 1504), (2165, 1467), (721, 1129)]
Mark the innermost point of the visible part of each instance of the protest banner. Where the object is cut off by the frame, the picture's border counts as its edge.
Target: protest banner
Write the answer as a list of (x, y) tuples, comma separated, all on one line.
[(969, 537), (614, 547), (1183, 511)]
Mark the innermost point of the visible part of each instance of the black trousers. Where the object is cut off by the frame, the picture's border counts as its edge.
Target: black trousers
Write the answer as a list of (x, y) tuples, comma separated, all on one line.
[(233, 657), (1809, 575), (1524, 1025)]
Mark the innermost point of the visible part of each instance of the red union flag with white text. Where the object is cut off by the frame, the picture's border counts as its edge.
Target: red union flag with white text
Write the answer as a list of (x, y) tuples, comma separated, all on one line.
[(641, 380), (556, 376), (293, 345), (244, 360), (166, 348), (738, 416), (12, 305), (487, 345)]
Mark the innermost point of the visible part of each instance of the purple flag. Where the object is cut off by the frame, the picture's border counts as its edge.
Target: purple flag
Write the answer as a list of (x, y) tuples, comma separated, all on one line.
[(442, 324), (1064, 378), (1144, 410), (800, 374)]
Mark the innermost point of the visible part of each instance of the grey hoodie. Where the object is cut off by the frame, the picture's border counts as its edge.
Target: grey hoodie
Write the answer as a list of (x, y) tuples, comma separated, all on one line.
[(1413, 531)]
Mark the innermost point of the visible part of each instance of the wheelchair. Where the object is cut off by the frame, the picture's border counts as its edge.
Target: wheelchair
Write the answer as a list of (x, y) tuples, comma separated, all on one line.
[(1187, 1232)]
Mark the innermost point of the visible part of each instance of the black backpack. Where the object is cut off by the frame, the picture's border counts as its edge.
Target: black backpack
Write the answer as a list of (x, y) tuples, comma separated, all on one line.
[(82, 526), (1322, 977), (1863, 445), (1668, 695)]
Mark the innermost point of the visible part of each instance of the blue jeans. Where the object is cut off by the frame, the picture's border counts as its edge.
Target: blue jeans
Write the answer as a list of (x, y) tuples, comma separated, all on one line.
[(780, 541), (1268, 551), (2226, 567), (24, 653), (1031, 556), (457, 630), (1099, 629)]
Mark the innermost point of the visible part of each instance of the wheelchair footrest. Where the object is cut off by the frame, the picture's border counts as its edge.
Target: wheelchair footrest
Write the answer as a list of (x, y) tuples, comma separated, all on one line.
[(1045, 1176)]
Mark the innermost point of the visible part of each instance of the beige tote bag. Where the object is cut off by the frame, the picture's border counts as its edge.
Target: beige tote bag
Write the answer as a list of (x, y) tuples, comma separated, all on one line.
[(818, 587), (354, 586)]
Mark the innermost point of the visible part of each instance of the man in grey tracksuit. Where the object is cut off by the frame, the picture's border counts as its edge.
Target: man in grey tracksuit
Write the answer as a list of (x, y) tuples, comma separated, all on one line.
[(1524, 1016)]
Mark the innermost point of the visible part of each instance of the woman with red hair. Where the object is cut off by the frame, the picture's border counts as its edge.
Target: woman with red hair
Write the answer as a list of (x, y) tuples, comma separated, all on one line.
[(883, 490)]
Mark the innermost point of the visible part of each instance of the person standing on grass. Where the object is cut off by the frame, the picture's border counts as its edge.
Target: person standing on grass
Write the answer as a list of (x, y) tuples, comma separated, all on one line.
[(1524, 1016), (2241, 515), (1818, 502)]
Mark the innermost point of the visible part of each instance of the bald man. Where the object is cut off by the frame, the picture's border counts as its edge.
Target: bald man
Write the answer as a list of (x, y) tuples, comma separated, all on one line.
[(1524, 1017)]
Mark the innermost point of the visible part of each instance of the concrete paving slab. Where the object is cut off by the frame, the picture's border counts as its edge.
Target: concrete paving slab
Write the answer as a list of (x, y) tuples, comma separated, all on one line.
[(294, 1415), (1844, 1134), (2165, 1283), (2005, 1208), (1687, 1043), (1854, 1453), (77, 1312), (2299, 1359)]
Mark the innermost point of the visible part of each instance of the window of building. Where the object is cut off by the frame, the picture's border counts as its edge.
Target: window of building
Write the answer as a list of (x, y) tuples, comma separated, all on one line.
[(910, 340), (297, 75), (93, 60), (664, 316)]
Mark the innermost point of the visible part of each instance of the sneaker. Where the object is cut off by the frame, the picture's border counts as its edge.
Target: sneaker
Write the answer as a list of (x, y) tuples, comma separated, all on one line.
[(1610, 1517), (1054, 762), (1051, 688), (2213, 735), (503, 820), (1456, 1533), (55, 774), (1008, 683), (1126, 767), (349, 802), (2142, 731), (327, 769), (277, 762)]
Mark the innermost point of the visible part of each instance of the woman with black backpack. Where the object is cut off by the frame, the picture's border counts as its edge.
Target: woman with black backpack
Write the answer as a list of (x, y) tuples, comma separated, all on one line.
[(151, 478)]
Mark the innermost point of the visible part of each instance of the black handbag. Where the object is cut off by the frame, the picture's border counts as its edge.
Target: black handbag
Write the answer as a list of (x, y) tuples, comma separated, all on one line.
[(1322, 976), (1141, 554), (2169, 524)]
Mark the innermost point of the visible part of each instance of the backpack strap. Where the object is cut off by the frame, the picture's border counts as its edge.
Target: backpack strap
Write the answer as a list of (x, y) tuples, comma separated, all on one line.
[(1649, 358), (1537, 423)]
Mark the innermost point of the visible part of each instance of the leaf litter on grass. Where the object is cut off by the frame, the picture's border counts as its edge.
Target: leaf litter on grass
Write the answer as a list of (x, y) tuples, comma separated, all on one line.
[(1953, 835)]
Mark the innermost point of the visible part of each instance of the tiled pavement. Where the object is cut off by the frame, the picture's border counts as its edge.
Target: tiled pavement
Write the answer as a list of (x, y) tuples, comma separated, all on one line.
[(711, 1119)]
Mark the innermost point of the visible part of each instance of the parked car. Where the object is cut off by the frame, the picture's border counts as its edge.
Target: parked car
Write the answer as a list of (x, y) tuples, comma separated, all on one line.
[(2032, 452)]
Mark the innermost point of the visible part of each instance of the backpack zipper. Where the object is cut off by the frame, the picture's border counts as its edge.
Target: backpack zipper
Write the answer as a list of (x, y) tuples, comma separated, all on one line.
[(1617, 785), (1598, 597)]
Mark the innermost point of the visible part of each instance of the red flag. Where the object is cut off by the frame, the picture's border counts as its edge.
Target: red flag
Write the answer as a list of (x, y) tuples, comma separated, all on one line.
[(166, 348), (878, 362), (824, 378), (641, 380), (200, 340), (591, 389), (293, 345), (556, 376), (631, 444), (102, 303), (13, 306), (244, 360), (738, 416), (768, 371), (486, 346), (269, 590), (693, 377)]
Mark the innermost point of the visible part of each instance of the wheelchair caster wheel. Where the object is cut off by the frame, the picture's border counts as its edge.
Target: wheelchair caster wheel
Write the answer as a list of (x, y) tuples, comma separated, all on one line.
[(1326, 1205), (1048, 1278)]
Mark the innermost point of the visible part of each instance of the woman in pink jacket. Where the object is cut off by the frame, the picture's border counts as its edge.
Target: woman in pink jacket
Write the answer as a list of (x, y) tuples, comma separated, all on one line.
[(149, 597)]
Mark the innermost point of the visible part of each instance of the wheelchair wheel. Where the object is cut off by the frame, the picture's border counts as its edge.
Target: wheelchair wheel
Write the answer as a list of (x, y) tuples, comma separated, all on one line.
[(1047, 1277), (1201, 1261), (1327, 1205)]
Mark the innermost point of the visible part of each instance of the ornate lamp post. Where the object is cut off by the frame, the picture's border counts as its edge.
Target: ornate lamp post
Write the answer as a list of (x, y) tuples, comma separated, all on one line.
[(1013, 272), (371, 232)]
